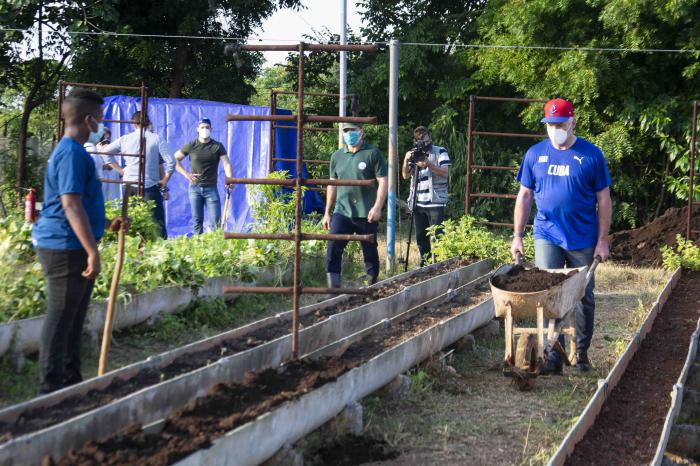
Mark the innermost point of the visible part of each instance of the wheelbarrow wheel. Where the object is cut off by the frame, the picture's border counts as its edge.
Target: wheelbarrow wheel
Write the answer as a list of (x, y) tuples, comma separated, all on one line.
[(526, 353)]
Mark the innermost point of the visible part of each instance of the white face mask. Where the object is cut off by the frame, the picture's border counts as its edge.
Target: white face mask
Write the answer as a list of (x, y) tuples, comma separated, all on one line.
[(204, 133), (558, 136)]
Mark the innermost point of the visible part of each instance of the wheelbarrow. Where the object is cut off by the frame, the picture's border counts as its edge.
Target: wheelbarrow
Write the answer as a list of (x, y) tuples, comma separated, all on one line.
[(557, 302)]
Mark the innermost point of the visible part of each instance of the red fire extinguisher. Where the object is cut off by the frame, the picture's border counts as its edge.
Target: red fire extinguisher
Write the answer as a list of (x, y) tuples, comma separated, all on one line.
[(30, 206)]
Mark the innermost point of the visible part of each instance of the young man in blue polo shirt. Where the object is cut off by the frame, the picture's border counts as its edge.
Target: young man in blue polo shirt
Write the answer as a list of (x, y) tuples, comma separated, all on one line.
[(65, 237), (568, 179)]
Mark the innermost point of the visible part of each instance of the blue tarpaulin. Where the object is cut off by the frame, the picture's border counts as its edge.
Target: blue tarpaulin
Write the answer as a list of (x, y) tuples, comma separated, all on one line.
[(247, 143)]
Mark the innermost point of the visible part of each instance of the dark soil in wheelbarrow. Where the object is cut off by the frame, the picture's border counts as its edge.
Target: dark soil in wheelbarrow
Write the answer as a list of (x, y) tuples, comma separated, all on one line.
[(36, 419), (229, 405), (522, 280), (628, 429)]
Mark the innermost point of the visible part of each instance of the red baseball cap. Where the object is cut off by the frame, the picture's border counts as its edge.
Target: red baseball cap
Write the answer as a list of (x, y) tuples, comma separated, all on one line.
[(557, 111)]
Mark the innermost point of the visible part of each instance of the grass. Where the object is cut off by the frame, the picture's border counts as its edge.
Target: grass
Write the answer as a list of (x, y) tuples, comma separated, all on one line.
[(476, 417)]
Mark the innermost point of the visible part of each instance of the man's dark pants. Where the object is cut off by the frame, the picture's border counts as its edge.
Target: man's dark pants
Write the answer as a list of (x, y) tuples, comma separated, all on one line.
[(550, 256), (342, 225), (153, 194), (425, 217), (67, 303)]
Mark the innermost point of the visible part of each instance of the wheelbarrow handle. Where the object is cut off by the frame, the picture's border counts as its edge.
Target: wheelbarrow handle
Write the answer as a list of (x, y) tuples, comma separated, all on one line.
[(591, 269), (518, 258)]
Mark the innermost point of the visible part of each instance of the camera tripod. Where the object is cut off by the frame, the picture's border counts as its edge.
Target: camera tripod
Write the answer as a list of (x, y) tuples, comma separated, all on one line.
[(414, 189)]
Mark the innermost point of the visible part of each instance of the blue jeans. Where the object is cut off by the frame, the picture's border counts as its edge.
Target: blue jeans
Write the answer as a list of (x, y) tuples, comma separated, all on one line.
[(198, 196), (550, 256), (340, 224), (153, 194)]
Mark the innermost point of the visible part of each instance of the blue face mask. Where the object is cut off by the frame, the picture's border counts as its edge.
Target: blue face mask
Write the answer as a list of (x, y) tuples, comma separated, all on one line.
[(95, 137), (351, 138)]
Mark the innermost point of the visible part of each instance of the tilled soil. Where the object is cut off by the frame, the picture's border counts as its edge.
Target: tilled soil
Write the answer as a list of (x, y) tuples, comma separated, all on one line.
[(354, 450), (36, 419), (229, 405), (642, 246), (522, 280), (628, 428)]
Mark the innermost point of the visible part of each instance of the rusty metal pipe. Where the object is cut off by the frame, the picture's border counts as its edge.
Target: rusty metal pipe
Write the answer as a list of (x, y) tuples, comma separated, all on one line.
[(494, 195), (691, 179), (494, 167), (306, 128), (100, 86), (315, 94), (470, 154), (275, 117), (322, 162), (310, 47), (288, 290), (304, 236), (509, 135), (510, 99)]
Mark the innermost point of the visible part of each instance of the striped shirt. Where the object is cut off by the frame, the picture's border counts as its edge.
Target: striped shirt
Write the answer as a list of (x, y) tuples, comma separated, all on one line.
[(424, 194)]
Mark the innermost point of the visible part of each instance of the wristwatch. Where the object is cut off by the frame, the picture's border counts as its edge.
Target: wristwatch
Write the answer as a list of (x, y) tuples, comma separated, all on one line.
[(518, 235)]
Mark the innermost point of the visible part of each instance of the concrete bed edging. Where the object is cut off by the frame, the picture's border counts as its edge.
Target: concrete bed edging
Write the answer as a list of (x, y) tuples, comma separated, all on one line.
[(605, 386), (158, 401), (256, 441), (677, 397), (22, 336), (157, 361)]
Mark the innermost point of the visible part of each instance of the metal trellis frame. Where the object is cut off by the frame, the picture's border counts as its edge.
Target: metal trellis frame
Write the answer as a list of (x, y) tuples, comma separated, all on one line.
[(470, 192), (143, 90), (298, 182), (691, 178)]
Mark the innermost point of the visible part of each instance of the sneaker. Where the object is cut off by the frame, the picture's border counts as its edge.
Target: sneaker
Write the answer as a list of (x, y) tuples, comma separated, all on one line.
[(582, 362), (552, 368)]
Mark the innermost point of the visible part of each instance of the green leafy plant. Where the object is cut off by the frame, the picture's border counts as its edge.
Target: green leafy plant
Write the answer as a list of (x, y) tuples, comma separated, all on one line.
[(464, 238), (140, 217), (686, 255)]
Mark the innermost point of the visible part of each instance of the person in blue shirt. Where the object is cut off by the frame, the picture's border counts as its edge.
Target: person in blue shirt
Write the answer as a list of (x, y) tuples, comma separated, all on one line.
[(72, 222), (568, 179)]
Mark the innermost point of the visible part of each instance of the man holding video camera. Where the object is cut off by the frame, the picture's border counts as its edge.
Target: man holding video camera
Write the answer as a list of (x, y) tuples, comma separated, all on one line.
[(428, 195)]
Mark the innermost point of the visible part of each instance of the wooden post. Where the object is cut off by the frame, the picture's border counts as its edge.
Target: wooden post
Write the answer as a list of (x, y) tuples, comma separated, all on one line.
[(540, 332), (109, 319), (509, 336)]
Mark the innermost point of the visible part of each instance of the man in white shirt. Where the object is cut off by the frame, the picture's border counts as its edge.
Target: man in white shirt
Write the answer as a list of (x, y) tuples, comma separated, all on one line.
[(156, 147)]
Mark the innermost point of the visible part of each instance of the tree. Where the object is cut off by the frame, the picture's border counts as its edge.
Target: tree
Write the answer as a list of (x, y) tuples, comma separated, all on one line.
[(636, 106), (178, 66), (34, 60)]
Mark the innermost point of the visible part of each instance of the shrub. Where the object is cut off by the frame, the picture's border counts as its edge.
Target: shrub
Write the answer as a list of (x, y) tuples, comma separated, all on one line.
[(464, 238), (686, 255)]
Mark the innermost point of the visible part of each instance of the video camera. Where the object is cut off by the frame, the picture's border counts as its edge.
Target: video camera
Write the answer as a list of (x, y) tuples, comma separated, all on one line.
[(419, 152)]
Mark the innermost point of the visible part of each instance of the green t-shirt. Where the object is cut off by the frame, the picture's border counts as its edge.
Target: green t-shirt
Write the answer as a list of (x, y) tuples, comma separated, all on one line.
[(204, 159), (365, 164)]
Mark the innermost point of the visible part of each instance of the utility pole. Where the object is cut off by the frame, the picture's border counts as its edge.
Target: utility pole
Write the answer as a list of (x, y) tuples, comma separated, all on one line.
[(393, 153), (343, 67)]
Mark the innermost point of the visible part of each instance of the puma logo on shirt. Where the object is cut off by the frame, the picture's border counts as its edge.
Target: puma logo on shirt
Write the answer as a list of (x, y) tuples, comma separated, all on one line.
[(578, 159)]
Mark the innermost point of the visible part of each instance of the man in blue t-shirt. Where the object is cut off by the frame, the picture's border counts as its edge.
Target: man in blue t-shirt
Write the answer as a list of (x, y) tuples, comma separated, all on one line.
[(65, 237), (568, 178)]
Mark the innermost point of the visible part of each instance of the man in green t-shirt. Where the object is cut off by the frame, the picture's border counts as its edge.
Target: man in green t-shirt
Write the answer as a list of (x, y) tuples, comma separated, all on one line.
[(358, 209), (205, 154)]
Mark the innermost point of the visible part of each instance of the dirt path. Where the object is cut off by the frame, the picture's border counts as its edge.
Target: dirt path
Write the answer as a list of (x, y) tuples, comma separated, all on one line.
[(477, 417), (628, 428)]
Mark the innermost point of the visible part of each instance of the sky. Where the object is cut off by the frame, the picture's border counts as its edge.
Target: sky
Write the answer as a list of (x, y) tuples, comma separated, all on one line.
[(290, 25)]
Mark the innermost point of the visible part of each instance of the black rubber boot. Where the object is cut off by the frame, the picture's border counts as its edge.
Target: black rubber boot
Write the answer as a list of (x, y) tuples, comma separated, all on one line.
[(582, 362), (334, 280)]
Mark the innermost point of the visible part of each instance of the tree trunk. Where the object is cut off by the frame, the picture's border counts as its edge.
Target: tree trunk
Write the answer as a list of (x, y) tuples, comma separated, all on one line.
[(178, 75), (29, 106)]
